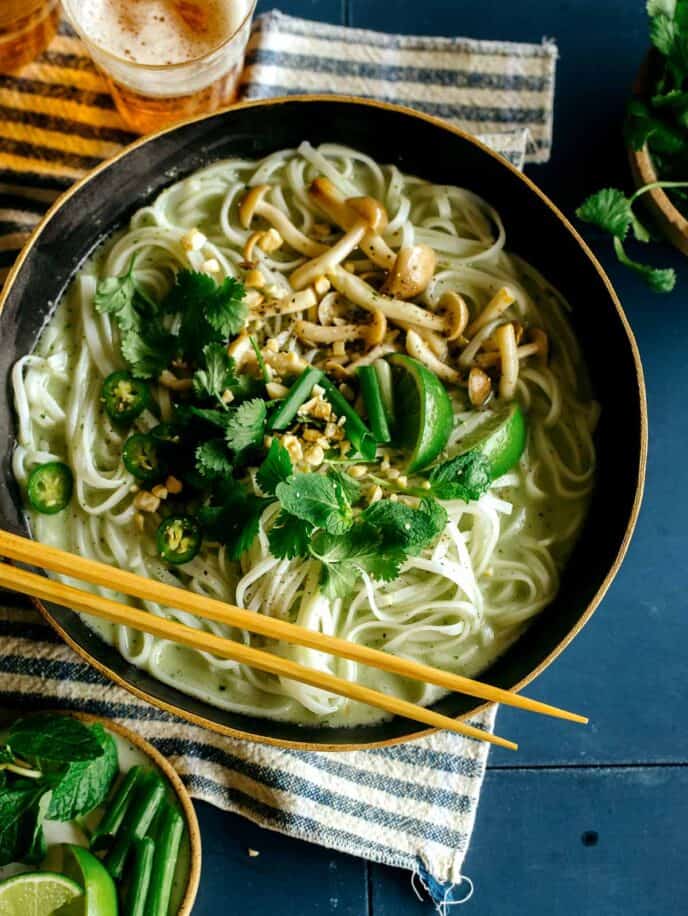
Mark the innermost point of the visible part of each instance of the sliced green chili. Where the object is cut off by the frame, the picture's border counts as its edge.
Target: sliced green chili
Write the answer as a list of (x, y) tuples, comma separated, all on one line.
[(372, 398), (141, 456), (50, 487), (125, 397), (357, 432), (179, 539), (299, 393)]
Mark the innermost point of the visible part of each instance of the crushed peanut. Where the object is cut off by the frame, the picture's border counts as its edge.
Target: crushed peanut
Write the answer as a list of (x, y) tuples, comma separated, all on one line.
[(211, 266), (139, 521), (173, 485), (339, 348), (146, 502), (374, 494), (254, 279), (426, 485), (358, 470), (314, 455), (311, 435), (227, 396), (402, 481), (159, 491), (276, 390), (272, 345), (293, 446), (193, 240), (393, 473)]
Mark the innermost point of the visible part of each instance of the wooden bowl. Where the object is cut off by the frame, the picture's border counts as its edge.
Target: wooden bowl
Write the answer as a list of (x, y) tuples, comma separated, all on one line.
[(439, 152), (170, 774), (668, 218)]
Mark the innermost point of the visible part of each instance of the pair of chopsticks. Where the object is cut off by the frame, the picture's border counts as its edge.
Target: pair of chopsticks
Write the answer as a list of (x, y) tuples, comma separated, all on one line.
[(23, 550)]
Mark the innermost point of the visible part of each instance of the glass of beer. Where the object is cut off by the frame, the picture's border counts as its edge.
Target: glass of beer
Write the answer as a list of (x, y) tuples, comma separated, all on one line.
[(165, 60), (26, 29)]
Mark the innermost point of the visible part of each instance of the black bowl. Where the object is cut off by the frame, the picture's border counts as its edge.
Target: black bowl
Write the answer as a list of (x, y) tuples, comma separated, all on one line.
[(422, 146)]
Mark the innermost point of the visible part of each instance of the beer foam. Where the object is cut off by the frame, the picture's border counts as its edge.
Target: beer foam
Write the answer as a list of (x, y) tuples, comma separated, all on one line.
[(159, 31)]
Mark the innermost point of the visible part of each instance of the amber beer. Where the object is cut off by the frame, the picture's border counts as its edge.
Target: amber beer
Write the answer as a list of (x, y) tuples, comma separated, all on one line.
[(26, 28), (166, 60)]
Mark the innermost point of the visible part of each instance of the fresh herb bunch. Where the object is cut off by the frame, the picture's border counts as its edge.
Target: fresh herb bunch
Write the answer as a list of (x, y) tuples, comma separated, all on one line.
[(51, 767), (659, 122), (221, 444)]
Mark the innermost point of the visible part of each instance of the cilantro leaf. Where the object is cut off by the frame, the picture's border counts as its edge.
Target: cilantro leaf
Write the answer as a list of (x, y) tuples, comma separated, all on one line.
[(225, 309), (316, 499), (345, 557), (246, 425), (609, 209), (660, 280), (115, 296), (290, 536), (464, 477), (216, 417), (642, 126), (275, 469), (207, 313), (235, 521), (60, 739), (661, 7), (404, 527), (212, 459), (217, 375), (148, 349), (85, 784)]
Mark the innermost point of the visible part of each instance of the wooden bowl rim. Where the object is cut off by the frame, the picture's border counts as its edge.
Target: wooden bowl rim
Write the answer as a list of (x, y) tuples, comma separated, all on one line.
[(645, 173)]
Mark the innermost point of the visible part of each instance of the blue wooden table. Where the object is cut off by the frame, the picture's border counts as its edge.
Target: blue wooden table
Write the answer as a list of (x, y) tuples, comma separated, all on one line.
[(583, 821)]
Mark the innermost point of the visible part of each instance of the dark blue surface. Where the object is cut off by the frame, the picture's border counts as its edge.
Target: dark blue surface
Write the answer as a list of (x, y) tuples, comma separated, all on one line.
[(585, 821)]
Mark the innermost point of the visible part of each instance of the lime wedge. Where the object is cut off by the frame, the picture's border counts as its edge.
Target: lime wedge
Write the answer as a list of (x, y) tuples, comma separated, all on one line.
[(36, 893), (501, 439), (423, 410), (99, 895)]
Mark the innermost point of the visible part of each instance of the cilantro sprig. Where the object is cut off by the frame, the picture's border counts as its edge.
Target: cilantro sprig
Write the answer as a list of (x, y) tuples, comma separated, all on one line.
[(660, 123)]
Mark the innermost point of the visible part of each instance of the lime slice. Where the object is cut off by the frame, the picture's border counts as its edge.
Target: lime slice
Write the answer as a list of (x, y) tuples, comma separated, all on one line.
[(423, 410), (36, 893), (501, 439), (99, 896)]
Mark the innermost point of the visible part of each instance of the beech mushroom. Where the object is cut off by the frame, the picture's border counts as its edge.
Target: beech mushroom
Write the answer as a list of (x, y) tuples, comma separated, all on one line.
[(411, 272), (371, 333), (506, 341), (254, 204), (479, 387), (371, 216), (499, 303), (419, 349), (294, 302), (454, 307), (362, 294), (333, 203), (537, 346)]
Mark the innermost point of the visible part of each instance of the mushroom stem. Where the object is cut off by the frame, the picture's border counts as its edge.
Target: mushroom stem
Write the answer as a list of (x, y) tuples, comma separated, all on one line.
[(360, 293), (493, 357), (295, 302), (419, 349), (317, 333), (336, 207), (506, 341), (309, 271), (254, 204), (499, 303)]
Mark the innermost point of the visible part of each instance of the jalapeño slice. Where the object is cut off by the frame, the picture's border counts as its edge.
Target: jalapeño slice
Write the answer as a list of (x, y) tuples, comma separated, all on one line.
[(50, 487), (141, 457), (125, 397), (179, 539)]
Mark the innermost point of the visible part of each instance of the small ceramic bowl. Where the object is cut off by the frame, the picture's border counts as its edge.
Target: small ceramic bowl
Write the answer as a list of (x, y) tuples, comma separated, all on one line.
[(668, 218), (131, 749)]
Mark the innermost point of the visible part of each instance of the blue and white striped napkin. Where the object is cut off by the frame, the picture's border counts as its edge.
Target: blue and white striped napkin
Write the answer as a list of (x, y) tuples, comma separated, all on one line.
[(413, 805)]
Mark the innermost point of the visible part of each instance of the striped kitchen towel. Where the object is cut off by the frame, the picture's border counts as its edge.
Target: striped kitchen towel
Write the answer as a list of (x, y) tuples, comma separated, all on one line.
[(413, 805)]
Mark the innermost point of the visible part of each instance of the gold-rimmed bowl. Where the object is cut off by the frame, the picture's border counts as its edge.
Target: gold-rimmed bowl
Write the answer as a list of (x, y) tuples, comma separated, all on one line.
[(536, 229)]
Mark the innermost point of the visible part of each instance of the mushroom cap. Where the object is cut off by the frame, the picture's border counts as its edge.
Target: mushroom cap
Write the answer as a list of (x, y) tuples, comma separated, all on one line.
[(373, 333), (456, 311), (326, 194), (412, 272), (479, 387), (250, 203), (371, 211)]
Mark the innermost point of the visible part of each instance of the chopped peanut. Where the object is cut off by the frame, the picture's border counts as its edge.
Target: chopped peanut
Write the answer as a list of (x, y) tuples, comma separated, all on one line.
[(374, 494), (311, 435), (146, 502), (254, 279), (314, 455), (402, 481), (275, 390), (159, 491), (173, 485), (293, 446), (139, 521), (227, 396), (358, 470), (270, 240), (211, 266), (193, 240)]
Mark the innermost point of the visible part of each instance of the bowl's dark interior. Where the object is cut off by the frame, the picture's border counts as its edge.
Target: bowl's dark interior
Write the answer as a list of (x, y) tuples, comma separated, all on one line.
[(418, 147)]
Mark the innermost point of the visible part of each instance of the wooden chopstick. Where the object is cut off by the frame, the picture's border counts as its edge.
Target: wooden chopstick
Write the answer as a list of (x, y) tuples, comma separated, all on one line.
[(25, 550), (38, 586)]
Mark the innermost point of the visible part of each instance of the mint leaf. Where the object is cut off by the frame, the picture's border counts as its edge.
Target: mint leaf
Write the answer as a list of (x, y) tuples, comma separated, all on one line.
[(275, 469), (289, 536), (246, 425), (217, 375), (85, 784), (609, 209), (31, 835), (14, 804), (349, 489), (406, 528), (464, 477), (212, 459), (59, 739), (345, 557), (316, 499)]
